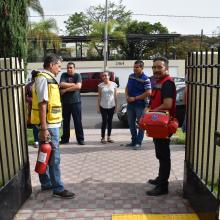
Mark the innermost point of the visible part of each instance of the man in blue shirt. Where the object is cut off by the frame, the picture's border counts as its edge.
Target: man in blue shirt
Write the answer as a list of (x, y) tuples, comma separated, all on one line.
[(136, 91)]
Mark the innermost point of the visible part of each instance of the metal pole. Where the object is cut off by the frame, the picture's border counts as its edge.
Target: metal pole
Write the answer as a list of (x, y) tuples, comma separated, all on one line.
[(106, 36), (201, 39)]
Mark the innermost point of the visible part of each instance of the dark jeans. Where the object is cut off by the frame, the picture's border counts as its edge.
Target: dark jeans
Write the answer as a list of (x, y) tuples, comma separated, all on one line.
[(107, 116), (73, 109), (162, 149), (35, 133)]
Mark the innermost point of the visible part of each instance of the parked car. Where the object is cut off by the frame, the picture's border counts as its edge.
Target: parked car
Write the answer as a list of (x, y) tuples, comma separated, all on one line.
[(90, 80), (180, 108), (179, 81)]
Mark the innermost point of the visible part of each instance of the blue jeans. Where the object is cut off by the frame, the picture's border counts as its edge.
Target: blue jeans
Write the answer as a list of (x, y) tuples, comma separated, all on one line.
[(134, 112), (52, 177)]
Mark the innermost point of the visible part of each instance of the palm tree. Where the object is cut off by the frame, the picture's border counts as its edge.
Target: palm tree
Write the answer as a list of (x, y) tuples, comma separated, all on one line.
[(44, 34), (97, 36), (35, 6)]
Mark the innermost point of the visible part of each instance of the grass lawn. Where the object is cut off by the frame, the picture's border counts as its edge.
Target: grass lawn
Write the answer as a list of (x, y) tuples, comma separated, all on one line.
[(179, 137), (30, 136)]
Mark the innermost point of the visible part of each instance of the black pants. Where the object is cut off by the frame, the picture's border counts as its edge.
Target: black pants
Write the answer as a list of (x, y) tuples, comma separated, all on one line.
[(162, 149), (107, 116), (73, 109)]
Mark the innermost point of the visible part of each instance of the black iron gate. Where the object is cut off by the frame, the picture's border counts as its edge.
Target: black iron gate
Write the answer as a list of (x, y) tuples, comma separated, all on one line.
[(202, 159), (15, 184)]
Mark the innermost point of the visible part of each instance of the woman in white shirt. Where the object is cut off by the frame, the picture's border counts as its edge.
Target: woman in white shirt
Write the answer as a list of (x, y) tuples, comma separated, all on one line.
[(107, 105)]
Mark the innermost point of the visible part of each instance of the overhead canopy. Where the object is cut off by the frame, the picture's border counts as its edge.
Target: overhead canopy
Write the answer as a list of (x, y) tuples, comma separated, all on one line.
[(130, 37)]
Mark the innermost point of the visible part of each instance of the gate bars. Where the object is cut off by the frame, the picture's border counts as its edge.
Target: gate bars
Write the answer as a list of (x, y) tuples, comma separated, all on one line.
[(13, 141), (203, 122)]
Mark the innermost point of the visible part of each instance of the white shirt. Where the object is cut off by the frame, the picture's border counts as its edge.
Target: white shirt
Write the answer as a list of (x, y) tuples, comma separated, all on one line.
[(107, 99)]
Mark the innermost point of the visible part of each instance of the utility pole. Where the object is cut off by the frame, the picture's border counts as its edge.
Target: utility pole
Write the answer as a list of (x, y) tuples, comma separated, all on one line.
[(106, 36), (201, 39)]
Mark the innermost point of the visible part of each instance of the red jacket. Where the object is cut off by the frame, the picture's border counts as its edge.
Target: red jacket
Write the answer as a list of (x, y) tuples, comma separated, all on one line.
[(156, 97)]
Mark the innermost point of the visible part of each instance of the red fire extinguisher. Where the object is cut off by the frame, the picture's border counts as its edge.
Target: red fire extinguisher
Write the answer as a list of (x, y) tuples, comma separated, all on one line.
[(43, 157)]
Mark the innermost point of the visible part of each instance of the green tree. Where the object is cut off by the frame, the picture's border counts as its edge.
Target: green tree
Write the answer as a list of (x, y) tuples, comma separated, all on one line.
[(97, 36), (92, 23), (188, 43), (35, 6), (83, 23), (139, 47), (116, 12), (43, 34), (78, 24), (13, 24)]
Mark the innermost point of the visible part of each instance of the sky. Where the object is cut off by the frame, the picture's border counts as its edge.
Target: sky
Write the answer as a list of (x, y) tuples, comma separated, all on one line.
[(180, 25)]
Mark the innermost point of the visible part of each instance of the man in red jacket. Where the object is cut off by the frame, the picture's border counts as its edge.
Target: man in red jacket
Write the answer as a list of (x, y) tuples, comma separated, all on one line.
[(163, 98)]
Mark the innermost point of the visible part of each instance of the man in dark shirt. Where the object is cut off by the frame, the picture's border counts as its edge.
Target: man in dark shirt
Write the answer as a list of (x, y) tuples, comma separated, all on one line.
[(163, 98), (70, 85)]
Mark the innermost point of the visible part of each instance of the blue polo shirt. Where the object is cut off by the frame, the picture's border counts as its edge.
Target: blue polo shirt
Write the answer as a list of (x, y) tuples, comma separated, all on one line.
[(137, 86)]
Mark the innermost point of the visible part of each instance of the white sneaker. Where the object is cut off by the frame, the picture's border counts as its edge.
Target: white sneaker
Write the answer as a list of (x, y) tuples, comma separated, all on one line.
[(137, 147), (36, 144)]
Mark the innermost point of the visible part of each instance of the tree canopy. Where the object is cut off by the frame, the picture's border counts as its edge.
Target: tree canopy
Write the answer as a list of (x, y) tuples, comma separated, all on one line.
[(35, 6), (41, 35), (13, 24), (83, 23), (140, 48), (120, 25)]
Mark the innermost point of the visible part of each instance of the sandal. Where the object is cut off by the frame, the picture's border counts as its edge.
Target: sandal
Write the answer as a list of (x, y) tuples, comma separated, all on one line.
[(103, 141), (110, 140)]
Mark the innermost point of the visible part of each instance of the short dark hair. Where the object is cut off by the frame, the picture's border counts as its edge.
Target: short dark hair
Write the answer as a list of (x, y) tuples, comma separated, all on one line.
[(164, 59), (52, 58), (34, 73), (140, 62), (71, 63)]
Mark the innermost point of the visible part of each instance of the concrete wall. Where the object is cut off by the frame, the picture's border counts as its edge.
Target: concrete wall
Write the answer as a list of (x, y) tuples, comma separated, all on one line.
[(122, 68)]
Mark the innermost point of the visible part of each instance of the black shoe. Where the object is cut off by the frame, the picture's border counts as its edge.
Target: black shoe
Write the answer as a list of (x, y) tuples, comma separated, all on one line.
[(153, 181), (65, 194), (130, 144), (157, 191), (46, 188), (64, 142), (81, 142)]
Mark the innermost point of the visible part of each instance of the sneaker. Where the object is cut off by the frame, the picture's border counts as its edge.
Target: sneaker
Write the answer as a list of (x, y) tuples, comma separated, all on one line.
[(64, 142), (110, 140), (81, 142), (103, 141), (46, 188), (137, 147), (157, 191), (36, 145), (65, 194), (130, 145), (154, 181)]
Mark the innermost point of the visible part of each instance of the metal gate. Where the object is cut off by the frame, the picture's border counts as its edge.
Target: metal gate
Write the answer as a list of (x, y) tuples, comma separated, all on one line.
[(15, 184), (202, 159)]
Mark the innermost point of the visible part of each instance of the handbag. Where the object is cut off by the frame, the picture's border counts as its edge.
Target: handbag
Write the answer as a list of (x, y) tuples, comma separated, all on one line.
[(158, 124)]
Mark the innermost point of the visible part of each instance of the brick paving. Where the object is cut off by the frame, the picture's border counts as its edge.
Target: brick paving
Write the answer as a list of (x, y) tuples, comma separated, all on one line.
[(107, 179)]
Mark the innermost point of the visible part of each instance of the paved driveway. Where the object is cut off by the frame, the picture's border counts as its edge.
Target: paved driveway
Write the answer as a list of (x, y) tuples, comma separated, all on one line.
[(107, 179)]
